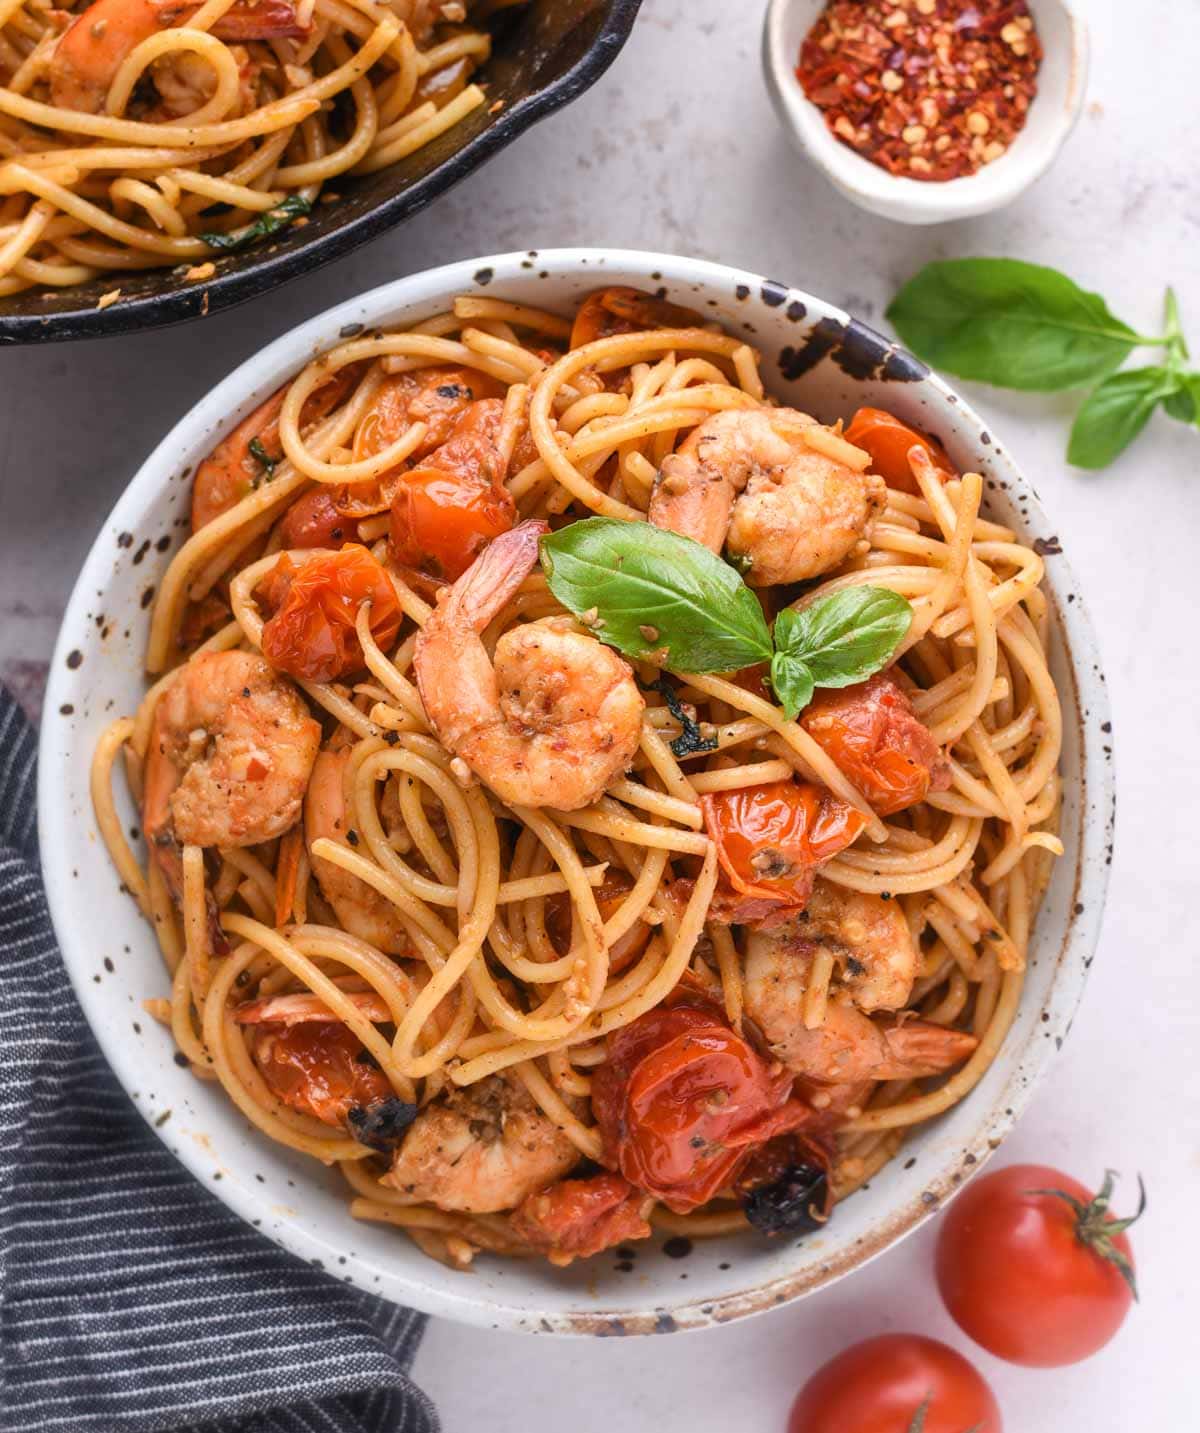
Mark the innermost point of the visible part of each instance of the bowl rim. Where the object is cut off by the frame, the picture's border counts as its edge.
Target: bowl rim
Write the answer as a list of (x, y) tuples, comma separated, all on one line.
[(276, 268), (909, 200), (439, 1291)]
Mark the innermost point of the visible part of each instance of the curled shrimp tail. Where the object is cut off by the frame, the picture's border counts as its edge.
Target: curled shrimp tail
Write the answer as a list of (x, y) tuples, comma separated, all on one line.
[(168, 853), (496, 574), (917, 1048)]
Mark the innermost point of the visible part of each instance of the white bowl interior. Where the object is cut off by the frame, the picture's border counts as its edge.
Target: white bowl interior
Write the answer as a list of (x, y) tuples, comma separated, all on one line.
[(1061, 82), (816, 358)]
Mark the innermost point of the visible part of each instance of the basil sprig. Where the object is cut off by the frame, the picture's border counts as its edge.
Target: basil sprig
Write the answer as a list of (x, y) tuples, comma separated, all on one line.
[(664, 599), (841, 639), (1025, 326), (294, 207)]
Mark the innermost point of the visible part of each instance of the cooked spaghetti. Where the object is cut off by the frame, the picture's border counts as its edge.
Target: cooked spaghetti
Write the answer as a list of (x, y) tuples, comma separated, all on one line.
[(141, 133), (541, 946)]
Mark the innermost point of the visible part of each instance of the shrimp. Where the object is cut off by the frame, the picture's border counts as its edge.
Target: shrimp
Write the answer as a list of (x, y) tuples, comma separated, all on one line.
[(555, 720), (99, 39), (876, 961), (248, 455), (231, 749), (304, 1008), (359, 907), (869, 939), (481, 1149), (748, 480)]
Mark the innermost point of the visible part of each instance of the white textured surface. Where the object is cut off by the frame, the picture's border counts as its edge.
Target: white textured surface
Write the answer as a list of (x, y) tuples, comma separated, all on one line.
[(677, 148)]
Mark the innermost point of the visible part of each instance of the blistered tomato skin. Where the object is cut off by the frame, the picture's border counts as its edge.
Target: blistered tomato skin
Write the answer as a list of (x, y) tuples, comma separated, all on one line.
[(577, 1218), (316, 1068), (447, 510), (441, 523), (682, 1102), (436, 396), (882, 1385), (311, 634), (873, 736), (771, 840), (1016, 1275), (314, 521)]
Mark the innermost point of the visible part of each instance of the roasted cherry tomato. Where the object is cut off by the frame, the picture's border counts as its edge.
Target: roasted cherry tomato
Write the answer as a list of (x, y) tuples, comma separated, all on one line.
[(682, 1101), (445, 512), (620, 310), (770, 841), (1034, 1267), (311, 634), (579, 1217), (897, 1383), (437, 396), (888, 441), (440, 524), (874, 737), (318, 1069), (609, 896), (314, 521)]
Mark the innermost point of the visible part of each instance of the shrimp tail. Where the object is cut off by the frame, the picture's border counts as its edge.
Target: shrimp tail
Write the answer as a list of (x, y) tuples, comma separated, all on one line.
[(497, 574), (168, 853), (916, 1048)]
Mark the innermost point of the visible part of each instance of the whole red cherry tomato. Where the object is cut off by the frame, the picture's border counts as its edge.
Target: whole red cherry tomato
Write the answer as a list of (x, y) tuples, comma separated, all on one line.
[(682, 1102), (888, 441), (1033, 1266), (311, 634), (770, 841), (874, 737), (889, 1384)]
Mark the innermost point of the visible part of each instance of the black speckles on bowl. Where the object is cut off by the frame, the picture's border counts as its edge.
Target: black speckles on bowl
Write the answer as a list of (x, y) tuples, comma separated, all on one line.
[(545, 55)]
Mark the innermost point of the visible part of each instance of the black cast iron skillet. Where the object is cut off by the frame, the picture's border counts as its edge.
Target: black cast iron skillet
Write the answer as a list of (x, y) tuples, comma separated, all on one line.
[(545, 55)]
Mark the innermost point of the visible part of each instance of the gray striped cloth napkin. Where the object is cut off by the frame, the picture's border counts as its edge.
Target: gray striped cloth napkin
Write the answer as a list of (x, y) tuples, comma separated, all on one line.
[(131, 1301)]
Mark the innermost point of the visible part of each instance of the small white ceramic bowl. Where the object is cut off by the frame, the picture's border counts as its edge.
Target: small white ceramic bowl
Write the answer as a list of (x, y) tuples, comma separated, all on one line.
[(1062, 80), (814, 356)]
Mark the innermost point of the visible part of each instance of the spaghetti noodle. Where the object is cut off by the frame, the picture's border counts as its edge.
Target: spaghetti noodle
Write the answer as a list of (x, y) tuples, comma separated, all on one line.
[(539, 947), (144, 133)]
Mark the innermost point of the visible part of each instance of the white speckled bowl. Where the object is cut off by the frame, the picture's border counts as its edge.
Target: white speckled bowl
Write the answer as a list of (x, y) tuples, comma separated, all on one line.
[(1062, 80), (814, 356)]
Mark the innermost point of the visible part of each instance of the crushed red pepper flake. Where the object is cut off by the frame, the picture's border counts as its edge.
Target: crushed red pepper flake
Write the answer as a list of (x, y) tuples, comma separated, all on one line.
[(926, 89)]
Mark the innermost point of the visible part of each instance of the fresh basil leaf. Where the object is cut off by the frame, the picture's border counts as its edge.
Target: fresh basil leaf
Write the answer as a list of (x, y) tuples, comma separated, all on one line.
[(655, 595), (1115, 413), (845, 637), (292, 208), (1009, 323), (1184, 403), (1180, 404), (792, 682)]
